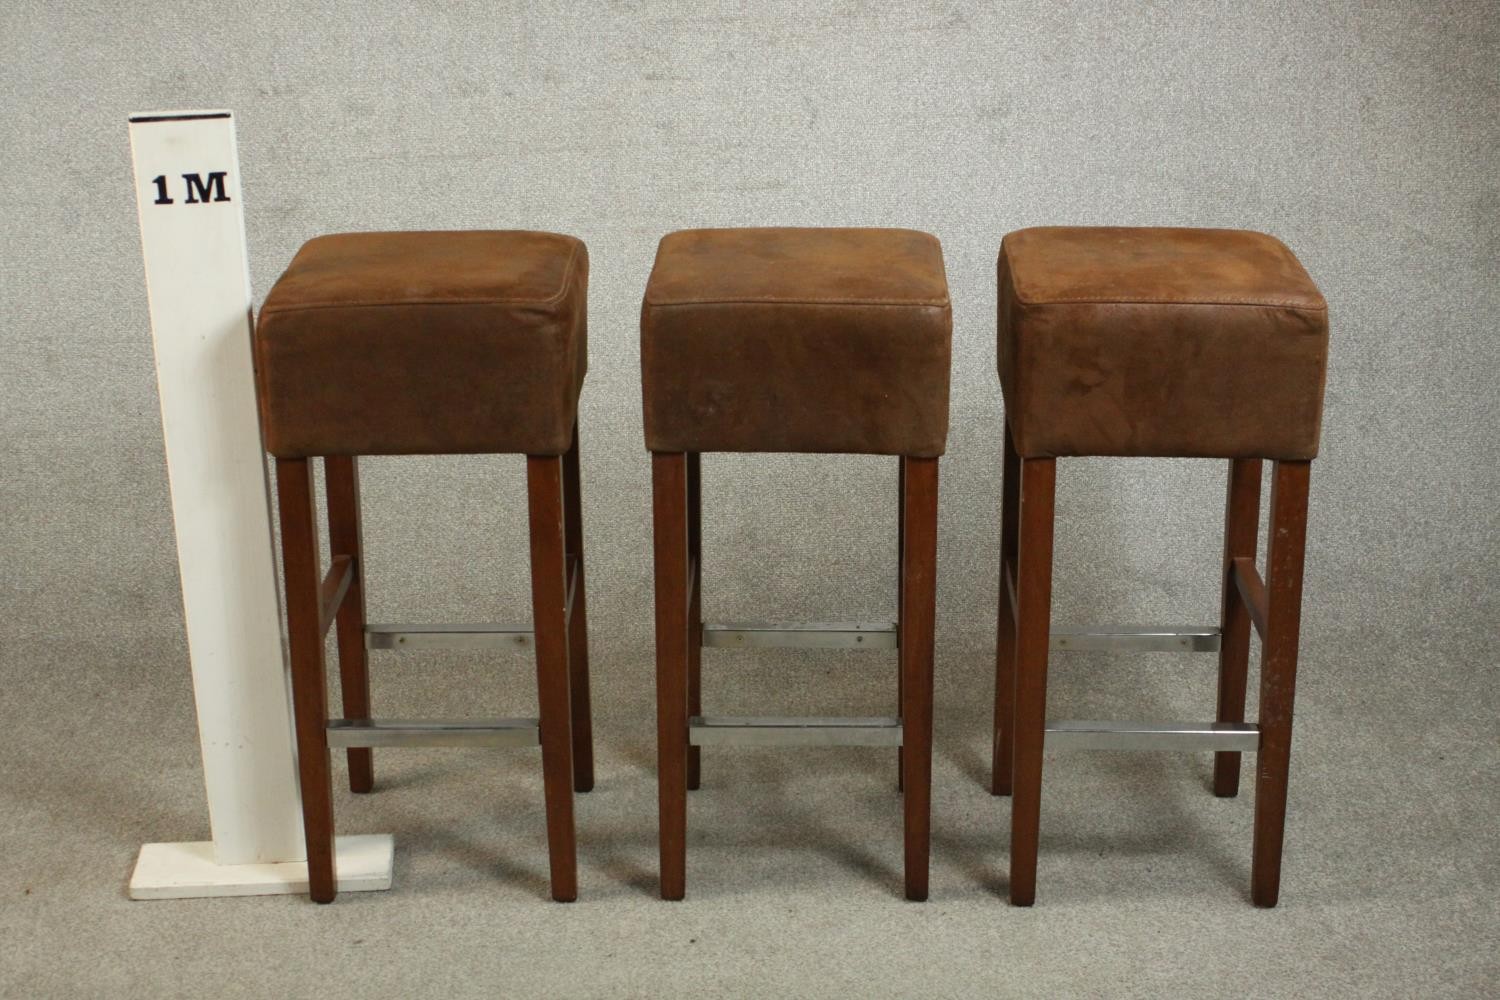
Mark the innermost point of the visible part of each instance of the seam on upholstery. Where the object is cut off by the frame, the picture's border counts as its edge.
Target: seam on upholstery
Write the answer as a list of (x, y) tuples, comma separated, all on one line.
[(738, 230), (1123, 301), (552, 299), (567, 274), (928, 303), (262, 387), (382, 303)]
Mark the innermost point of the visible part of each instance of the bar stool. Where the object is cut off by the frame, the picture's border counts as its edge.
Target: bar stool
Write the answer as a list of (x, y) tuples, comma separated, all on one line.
[(793, 340), (426, 344), (1194, 343)]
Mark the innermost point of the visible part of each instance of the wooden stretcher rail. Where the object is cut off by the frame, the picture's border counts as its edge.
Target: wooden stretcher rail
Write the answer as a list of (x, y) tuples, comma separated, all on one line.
[(331, 593), (1253, 590)]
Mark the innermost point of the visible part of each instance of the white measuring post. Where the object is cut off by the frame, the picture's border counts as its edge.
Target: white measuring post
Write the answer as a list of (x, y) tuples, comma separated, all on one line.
[(187, 186)]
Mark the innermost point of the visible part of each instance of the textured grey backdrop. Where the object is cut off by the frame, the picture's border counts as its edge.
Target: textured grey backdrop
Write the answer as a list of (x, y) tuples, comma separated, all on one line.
[(1364, 135)]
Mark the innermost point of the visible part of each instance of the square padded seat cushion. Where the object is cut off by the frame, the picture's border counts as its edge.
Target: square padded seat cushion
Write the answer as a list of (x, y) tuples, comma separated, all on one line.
[(1160, 342), (424, 343), (797, 340)]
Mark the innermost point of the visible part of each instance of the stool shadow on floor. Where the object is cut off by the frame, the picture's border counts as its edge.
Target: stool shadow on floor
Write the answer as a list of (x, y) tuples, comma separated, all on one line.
[(396, 778), (971, 760), (402, 803), (1176, 822), (786, 819), (470, 859), (754, 806), (617, 820), (608, 857), (856, 857), (638, 755)]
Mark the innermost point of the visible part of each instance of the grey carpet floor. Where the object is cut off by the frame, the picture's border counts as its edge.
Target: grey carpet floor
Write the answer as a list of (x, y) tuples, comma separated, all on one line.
[(794, 870)]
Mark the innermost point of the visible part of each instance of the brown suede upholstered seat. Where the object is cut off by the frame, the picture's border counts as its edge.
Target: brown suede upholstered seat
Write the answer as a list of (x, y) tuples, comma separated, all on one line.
[(1160, 342), (797, 340), (424, 343)]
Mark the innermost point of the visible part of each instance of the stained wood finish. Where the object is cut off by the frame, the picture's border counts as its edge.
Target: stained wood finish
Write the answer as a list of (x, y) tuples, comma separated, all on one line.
[(695, 605), (1241, 533), (900, 576), (1033, 627), (549, 598), (1278, 673), (578, 623), (919, 517), (299, 556), (346, 539), (1005, 630), (669, 514)]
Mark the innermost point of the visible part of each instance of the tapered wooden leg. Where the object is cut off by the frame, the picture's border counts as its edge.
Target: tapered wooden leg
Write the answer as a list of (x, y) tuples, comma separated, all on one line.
[(578, 624), (1005, 630), (1241, 528), (1033, 628), (1278, 673), (695, 605), (918, 610), (345, 538), (900, 577), (549, 599), (669, 513), (299, 556)]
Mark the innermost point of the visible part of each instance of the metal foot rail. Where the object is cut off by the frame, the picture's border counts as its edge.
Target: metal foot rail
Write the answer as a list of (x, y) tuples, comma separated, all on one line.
[(478, 635), (1078, 735), (809, 731), (434, 733), (1138, 638), (475, 636), (800, 635)]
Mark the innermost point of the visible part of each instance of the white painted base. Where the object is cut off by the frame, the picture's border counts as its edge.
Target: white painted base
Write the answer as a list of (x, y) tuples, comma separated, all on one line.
[(184, 871)]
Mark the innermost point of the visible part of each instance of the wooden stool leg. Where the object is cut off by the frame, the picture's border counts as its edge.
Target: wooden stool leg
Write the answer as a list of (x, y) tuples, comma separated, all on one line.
[(669, 512), (695, 605), (578, 624), (1033, 630), (345, 538), (900, 591), (918, 610), (1278, 673), (1241, 528), (299, 556), (549, 600), (1005, 629)]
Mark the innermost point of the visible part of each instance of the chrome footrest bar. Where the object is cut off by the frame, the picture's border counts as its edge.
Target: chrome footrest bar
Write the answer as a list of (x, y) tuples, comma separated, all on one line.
[(478, 636), (800, 635), (1138, 638), (809, 731), (1152, 736), (434, 733)]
